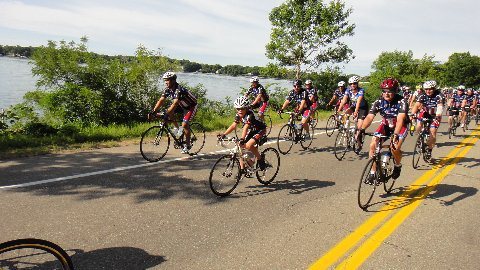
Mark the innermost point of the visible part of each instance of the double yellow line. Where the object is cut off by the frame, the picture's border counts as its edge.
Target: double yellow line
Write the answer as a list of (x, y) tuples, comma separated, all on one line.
[(406, 204)]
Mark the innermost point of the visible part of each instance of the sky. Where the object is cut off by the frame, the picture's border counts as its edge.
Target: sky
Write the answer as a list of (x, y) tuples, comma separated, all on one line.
[(229, 32)]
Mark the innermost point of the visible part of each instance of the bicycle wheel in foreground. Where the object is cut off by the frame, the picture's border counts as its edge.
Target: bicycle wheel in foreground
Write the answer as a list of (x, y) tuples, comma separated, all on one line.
[(417, 151), (272, 161), (285, 139), (225, 175), (197, 139), (33, 254), (341, 144), (154, 143), (367, 186), (331, 125)]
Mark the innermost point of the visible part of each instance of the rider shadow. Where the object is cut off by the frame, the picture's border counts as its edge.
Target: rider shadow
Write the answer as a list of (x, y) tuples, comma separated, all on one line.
[(447, 190), (453, 143), (120, 258), (295, 186)]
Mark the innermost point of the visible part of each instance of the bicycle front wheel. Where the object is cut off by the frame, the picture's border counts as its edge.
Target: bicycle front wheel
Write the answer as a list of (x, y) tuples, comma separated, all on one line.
[(331, 125), (387, 171), (197, 138), (418, 151), (307, 139), (33, 254), (272, 165), (154, 143), (341, 144), (225, 175), (268, 122), (367, 185), (285, 139)]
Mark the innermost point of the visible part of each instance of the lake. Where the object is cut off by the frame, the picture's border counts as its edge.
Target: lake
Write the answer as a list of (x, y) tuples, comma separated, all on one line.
[(16, 79)]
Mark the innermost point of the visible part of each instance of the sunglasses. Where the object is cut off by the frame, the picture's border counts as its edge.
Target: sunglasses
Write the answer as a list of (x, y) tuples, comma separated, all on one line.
[(388, 92)]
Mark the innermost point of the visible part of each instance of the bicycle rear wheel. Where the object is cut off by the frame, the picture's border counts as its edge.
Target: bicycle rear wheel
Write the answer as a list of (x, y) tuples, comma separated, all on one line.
[(225, 175), (331, 125), (33, 254), (272, 162), (418, 151), (341, 144), (307, 139), (197, 138), (367, 186), (154, 143), (286, 134)]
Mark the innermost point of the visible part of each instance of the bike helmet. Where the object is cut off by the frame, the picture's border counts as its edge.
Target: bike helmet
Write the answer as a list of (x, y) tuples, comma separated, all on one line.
[(390, 84), (241, 102), (461, 87), (418, 87), (169, 75), (341, 83), (353, 79), (254, 79), (429, 84), (297, 82), (308, 82)]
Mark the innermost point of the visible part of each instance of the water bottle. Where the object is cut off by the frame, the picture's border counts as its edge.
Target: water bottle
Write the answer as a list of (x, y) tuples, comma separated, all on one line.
[(385, 158), (249, 157), (179, 131), (298, 127)]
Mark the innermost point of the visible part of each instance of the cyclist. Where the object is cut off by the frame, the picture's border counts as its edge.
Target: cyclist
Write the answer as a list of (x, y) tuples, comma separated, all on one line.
[(299, 96), (338, 96), (406, 93), (312, 95), (358, 104), (393, 108), (455, 103), (183, 102), (429, 106), (258, 92), (469, 103), (253, 132), (414, 97)]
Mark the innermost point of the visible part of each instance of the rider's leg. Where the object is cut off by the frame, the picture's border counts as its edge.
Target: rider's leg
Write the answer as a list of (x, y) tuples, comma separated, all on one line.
[(433, 138)]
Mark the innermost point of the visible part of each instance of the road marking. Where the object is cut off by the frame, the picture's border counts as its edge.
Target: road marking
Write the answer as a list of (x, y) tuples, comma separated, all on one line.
[(338, 251)]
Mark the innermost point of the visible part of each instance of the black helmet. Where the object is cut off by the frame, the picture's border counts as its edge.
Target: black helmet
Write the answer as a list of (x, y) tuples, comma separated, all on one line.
[(297, 82)]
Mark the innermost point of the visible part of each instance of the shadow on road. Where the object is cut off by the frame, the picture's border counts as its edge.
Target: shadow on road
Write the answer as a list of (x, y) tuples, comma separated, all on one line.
[(294, 186)]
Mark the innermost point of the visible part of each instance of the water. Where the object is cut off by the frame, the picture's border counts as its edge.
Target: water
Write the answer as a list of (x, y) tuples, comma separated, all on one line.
[(16, 79)]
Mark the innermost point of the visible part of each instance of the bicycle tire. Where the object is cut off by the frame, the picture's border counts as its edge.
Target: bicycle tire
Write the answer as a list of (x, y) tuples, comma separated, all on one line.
[(387, 171), (417, 151), (41, 254), (366, 188), (154, 143), (314, 120), (227, 179), (268, 122), (477, 116), (288, 135), (307, 142), (341, 144), (450, 132), (272, 162), (331, 125), (197, 138)]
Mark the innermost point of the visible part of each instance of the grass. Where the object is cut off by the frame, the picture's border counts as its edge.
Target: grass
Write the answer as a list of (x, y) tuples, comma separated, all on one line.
[(19, 145)]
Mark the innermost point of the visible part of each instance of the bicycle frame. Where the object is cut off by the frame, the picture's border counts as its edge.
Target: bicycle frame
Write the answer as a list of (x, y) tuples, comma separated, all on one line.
[(240, 153)]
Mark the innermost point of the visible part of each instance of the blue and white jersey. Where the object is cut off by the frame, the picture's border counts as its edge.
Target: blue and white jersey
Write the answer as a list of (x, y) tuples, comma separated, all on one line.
[(353, 97)]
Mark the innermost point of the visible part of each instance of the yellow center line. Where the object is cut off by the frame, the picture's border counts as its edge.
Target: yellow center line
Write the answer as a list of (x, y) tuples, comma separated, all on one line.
[(353, 239)]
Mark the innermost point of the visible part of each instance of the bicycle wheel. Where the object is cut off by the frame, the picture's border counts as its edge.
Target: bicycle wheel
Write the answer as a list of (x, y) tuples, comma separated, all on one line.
[(197, 138), (450, 132), (154, 143), (418, 151), (341, 144), (272, 162), (314, 120), (467, 121), (225, 175), (286, 134), (268, 123), (307, 138), (387, 171), (33, 254), (477, 116), (331, 125), (367, 186)]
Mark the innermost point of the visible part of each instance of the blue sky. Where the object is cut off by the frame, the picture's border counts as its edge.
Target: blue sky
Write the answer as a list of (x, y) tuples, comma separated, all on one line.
[(235, 32)]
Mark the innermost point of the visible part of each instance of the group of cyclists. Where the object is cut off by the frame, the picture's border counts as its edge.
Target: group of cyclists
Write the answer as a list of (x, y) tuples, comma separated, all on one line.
[(398, 106)]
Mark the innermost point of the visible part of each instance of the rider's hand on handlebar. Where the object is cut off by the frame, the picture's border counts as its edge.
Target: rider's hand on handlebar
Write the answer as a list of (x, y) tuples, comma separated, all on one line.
[(221, 137), (241, 141)]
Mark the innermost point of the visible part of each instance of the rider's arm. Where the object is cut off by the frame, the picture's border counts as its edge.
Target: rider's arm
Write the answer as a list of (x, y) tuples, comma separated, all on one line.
[(332, 100), (257, 99), (245, 131), (357, 107), (416, 107), (344, 100), (368, 120), (230, 128), (285, 104), (159, 104), (172, 107)]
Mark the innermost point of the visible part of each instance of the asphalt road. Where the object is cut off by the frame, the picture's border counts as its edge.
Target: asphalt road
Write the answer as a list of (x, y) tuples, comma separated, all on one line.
[(110, 209)]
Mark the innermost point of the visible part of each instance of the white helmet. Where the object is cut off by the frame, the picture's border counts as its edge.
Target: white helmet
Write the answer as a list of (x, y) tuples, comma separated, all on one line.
[(429, 84), (169, 75), (254, 79), (241, 102), (308, 82), (341, 83), (461, 87), (354, 79)]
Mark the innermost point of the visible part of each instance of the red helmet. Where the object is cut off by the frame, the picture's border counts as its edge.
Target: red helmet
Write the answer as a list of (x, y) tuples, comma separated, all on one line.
[(390, 83)]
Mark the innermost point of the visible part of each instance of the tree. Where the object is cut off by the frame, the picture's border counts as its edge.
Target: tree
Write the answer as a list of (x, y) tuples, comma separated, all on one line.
[(306, 33), (463, 68)]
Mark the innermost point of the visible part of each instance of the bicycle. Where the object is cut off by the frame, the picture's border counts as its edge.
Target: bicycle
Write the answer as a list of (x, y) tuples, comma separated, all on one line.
[(33, 253), (468, 118), (452, 130), (421, 144), (155, 140), (227, 171), (382, 165), (346, 138), (477, 114), (332, 124), (293, 133)]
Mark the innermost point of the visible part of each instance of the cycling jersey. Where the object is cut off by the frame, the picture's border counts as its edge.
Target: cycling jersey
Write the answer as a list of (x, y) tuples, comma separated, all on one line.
[(457, 100), (470, 99), (312, 92), (430, 103), (416, 95), (186, 100), (339, 94), (353, 97), (406, 94), (389, 110), (250, 120), (298, 97), (255, 91)]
